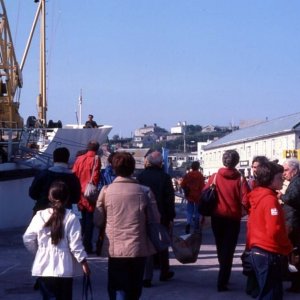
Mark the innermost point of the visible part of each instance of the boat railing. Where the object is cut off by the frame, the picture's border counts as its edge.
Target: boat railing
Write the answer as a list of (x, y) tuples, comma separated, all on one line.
[(34, 158), (9, 142), (23, 146)]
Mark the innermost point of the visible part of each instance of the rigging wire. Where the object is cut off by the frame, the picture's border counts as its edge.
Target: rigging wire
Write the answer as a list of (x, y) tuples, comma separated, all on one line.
[(17, 23), (55, 20)]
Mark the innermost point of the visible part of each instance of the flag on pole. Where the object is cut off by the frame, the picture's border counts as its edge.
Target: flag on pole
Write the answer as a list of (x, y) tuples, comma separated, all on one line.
[(165, 154)]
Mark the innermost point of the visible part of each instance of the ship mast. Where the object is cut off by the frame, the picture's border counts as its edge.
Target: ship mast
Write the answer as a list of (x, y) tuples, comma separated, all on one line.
[(42, 97)]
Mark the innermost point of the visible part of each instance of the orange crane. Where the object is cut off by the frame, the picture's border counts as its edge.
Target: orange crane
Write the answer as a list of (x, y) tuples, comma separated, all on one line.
[(10, 76)]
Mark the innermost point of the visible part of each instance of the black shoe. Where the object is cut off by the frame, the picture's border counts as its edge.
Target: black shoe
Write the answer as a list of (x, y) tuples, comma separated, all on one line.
[(147, 283), (167, 276), (187, 228)]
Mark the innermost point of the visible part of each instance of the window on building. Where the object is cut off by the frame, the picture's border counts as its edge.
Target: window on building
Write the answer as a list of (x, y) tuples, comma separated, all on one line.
[(273, 147), (249, 152)]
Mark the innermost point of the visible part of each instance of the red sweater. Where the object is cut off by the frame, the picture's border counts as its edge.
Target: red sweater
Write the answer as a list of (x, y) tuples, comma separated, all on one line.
[(193, 182), (232, 190), (266, 224)]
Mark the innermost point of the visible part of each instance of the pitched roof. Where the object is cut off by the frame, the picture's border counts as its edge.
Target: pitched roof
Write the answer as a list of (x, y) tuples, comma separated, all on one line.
[(276, 126)]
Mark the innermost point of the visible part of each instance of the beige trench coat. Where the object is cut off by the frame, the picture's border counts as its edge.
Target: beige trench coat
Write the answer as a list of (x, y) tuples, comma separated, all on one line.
[(121, 207)]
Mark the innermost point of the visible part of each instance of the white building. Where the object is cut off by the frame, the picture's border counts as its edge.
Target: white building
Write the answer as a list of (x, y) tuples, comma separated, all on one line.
[(179, 129), (147, 136), (201, 151), (270, 138)]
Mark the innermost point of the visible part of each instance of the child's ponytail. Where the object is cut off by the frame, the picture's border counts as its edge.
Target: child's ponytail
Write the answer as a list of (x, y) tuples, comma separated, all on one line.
[(58, 197)]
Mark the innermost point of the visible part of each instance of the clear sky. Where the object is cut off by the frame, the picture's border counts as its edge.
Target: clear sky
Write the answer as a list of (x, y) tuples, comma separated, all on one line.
[(163, 61)]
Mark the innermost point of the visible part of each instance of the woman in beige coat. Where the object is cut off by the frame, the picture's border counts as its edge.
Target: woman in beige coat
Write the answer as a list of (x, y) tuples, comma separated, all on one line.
[(122, 209)]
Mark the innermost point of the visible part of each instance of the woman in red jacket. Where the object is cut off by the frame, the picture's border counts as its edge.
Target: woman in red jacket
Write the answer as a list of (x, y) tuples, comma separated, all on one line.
[(267, 236), (192, 184), (232, 189)]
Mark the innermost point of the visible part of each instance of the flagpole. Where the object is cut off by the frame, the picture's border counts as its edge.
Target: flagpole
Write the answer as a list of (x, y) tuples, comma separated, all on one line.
[(80, 107)]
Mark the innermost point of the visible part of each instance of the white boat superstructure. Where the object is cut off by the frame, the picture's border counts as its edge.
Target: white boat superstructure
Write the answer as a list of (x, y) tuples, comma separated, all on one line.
[(71, 136)]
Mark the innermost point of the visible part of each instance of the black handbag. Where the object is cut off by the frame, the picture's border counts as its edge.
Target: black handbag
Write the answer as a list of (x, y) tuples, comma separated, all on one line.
[(208, 199), (159, 236), (87, 292)]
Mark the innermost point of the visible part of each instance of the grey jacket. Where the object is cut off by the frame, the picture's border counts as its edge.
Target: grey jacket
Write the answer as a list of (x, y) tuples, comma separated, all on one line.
[(122, 206), (291, 200)]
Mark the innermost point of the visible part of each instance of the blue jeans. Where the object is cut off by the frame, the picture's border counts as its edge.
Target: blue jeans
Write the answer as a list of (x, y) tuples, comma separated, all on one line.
[(268, 270), (192, 211)]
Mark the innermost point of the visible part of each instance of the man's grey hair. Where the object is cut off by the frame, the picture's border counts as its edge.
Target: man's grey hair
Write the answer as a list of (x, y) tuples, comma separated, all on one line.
[(154, 158), (293, 163)]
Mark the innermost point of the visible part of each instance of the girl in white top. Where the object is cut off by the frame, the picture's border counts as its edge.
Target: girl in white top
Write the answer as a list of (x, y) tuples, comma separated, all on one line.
[(54, 236)]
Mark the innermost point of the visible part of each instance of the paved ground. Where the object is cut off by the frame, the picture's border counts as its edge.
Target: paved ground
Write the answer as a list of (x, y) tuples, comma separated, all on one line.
[(192, 281)]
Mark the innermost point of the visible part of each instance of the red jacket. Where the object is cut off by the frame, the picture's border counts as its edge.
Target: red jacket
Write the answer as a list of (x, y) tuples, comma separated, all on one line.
[(83, 169), (192, 184), (232, 190), (266, 224)]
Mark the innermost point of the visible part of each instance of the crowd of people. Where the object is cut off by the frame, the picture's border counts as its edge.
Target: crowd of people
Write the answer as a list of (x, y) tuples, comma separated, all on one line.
[(61, 231)]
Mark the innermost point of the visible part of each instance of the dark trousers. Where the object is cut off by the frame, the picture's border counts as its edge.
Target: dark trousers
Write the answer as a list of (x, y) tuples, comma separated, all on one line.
[(226, 232), (162, 260), (125, 277), (294, 236), (59, 288), (268, 270), (87, 227)]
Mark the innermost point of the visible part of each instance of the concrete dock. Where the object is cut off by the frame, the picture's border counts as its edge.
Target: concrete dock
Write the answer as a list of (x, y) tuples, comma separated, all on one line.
[(191, 281)]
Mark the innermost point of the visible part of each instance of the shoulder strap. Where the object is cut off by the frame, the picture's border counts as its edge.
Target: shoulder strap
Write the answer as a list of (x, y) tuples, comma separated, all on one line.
[(214, 180), (94, 166)]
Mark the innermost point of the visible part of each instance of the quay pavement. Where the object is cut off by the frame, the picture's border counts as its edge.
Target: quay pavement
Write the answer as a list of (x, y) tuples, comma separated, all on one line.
[(191, 281)]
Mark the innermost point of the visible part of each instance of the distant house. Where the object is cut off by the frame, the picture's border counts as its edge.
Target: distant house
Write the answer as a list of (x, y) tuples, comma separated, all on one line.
[(147, 136), (139, 156), (208, 128)]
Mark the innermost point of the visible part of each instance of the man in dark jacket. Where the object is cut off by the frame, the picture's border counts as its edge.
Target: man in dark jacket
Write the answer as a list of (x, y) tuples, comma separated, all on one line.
[(291, 200), (161, 185), (59, 171)]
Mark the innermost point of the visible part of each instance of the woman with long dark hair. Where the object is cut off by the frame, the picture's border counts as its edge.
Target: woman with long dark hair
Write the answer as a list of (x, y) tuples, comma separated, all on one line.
[(54, 236)]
